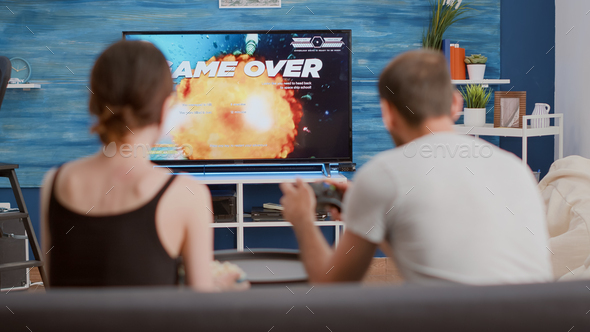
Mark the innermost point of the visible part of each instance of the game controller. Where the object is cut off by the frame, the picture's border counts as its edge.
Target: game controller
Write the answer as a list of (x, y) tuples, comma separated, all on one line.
[(327, 195)]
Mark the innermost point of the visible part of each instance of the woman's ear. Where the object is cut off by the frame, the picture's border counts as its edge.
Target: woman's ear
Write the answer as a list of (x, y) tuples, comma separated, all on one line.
[(456, 106), (168, 104)]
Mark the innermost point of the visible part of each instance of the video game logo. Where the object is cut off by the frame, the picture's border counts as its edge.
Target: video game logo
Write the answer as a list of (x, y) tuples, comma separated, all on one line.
[(317, 42)]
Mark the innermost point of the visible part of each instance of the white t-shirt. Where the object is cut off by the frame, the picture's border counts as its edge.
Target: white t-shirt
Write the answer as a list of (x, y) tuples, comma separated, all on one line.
[(453, 208)]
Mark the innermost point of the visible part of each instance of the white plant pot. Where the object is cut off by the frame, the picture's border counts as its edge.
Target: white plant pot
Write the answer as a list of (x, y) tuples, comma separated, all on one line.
[(474, 117), (476, 71)]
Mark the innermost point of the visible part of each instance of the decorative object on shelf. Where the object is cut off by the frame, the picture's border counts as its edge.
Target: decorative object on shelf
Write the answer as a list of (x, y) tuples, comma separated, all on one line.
[(21, 71), (509, 108), (249, 3), (540, 109), (444, 13), (457, 62), (476, 66), (455, 56), (476, 98), (537, 175), (446, 49)]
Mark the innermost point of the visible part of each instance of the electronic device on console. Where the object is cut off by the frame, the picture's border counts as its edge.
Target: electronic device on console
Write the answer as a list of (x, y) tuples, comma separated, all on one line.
[(224, 205)]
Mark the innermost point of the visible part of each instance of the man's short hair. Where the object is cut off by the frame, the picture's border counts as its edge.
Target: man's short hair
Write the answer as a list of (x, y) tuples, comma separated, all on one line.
[(418, 84)]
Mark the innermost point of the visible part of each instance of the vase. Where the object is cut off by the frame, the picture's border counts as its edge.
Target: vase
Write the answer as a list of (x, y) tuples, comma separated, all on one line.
[(476, 71), (540, 109), (474, 117)]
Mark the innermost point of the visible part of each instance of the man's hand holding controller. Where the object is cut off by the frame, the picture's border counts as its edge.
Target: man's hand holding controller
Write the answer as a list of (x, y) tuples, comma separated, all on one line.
[(341, 187), (301, 199)]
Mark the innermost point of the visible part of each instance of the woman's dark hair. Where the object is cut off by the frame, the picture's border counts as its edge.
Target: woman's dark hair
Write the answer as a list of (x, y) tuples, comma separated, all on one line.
[(130, 82)]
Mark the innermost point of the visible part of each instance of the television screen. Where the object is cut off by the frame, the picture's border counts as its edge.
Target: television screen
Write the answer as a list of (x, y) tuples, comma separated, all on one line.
[(256, 96)]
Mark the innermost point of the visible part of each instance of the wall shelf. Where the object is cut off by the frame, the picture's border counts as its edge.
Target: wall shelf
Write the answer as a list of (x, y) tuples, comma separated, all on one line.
[(485, 83), (25, 87), (525, 132)]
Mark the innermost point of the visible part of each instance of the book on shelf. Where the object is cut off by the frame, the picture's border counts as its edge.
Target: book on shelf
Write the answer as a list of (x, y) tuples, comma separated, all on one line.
[(446, 49), (455, 57), (459, 60), (453, 61)]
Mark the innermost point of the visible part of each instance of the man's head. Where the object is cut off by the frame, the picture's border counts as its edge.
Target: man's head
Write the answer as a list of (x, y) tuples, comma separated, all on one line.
[(416, 88)]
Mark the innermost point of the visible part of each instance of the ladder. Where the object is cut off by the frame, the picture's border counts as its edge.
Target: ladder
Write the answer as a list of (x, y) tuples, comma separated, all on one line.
[(7, 171)]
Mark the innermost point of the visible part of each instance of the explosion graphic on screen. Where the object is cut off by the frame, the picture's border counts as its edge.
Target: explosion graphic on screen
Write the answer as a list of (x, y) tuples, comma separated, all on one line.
[(243, 117)]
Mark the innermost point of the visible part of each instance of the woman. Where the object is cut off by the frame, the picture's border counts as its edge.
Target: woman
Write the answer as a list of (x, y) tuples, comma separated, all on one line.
[(112, 219)]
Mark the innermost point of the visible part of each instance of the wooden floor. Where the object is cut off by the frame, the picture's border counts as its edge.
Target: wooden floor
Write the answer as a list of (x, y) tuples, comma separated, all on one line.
[(381, 271)]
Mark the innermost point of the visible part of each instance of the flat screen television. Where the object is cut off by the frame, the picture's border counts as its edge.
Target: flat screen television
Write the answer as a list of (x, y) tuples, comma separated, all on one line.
[(256, 96)]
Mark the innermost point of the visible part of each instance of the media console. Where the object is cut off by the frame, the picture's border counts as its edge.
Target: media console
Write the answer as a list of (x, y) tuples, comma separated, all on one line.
[(239, 179)]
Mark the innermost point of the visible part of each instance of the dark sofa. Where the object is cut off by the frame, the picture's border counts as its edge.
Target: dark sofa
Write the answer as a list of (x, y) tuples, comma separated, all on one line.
[(541, 307)]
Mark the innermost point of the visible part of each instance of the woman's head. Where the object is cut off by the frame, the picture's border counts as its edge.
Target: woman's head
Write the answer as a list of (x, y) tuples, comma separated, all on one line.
[(130, 82)]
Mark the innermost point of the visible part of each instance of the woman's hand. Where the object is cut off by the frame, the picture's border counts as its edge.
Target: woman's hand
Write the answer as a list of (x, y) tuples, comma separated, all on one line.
[(228, 282)]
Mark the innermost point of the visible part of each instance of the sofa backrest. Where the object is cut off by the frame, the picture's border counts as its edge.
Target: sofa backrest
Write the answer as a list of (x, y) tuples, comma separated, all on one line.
[(540, 307)]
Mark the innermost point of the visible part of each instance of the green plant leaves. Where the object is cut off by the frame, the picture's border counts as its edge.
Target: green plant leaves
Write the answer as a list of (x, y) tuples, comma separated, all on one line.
[(441, 18), (476, 96), (476, 59)]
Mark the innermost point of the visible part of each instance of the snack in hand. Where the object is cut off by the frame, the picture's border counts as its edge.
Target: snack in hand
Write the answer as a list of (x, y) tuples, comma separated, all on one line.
[(219, 269)]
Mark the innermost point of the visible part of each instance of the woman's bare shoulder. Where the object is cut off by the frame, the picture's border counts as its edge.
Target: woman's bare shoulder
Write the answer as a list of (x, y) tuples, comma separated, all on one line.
[(187, 187), (189, 195)]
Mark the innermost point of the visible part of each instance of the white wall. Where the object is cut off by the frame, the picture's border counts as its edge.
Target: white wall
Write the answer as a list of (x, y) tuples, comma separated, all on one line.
[(572, 73)]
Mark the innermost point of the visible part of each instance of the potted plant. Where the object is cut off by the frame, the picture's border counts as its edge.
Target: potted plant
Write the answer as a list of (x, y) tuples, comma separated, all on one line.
[(476, 98), (444, 14), (476, 66)]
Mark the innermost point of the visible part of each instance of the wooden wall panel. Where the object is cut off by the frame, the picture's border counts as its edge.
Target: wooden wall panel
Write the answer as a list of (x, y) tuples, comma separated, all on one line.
[(43, 128)]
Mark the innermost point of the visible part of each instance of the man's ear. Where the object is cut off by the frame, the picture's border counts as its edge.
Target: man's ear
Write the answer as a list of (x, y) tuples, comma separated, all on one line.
[(456, 105), (387, 115)]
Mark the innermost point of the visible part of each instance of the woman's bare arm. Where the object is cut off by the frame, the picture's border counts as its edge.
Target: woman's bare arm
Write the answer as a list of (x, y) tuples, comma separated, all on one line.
[(197, 248), (46, 189)]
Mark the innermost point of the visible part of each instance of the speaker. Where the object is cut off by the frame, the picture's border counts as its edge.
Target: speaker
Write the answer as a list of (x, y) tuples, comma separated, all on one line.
[(13, 250), (224, 205)]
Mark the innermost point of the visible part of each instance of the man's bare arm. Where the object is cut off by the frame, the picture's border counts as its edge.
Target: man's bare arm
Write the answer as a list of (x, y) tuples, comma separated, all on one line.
[(348, 262)]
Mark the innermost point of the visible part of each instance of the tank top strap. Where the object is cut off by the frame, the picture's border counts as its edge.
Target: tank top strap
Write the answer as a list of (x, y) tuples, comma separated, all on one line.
[(164, 188)]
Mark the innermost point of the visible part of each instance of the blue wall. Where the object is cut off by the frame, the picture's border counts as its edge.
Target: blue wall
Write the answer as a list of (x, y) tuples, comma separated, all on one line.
[(528, 38), (43, 128), (49, 126)]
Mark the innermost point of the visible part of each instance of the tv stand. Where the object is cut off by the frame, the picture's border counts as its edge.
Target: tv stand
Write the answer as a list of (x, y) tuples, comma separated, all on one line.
[(250, 168), (327, 170), (241, 179)]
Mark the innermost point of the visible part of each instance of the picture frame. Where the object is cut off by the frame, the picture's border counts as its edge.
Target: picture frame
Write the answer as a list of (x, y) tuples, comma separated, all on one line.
[(509, 108), (249, 3)]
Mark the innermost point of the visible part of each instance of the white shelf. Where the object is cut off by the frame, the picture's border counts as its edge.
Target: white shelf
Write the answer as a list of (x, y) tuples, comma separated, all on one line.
[(489, 130), (482, 82), (25, 87), (270, 224), (525, 132), (240, 179), (252, 178)]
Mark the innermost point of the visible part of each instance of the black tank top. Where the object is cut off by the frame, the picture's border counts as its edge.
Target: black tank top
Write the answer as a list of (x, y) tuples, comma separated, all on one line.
[(114, 250)]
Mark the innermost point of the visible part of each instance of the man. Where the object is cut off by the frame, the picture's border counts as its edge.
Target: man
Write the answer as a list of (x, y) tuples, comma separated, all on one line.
[(447, 208)]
